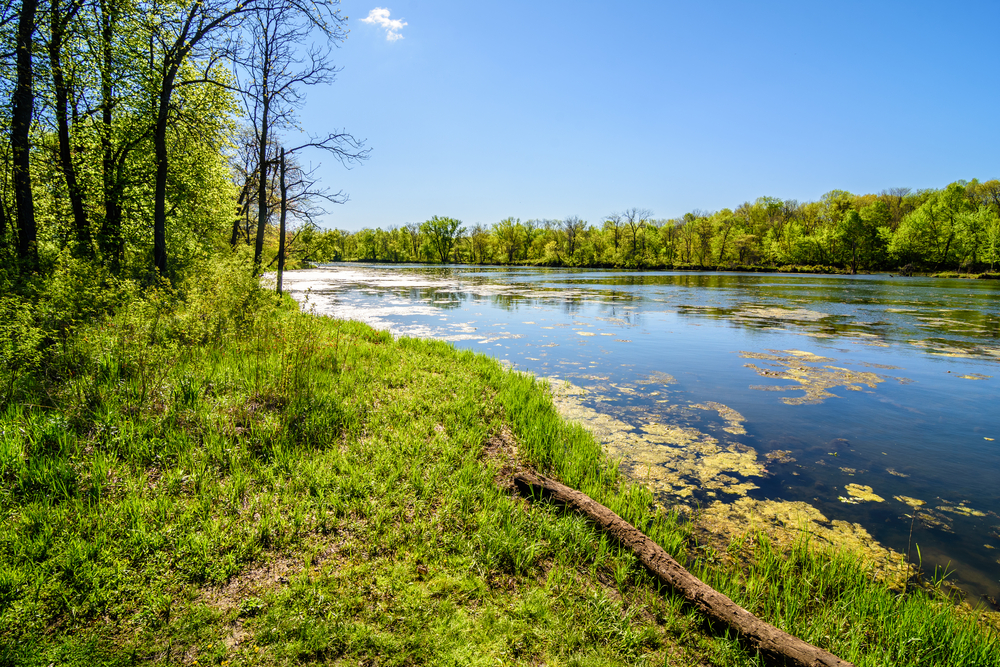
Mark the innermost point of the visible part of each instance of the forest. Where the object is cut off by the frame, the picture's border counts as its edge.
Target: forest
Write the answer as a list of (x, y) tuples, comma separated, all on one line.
[(141, 138), (898, 229)]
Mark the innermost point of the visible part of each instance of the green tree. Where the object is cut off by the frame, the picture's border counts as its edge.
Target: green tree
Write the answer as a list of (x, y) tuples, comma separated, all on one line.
[(928, 234), (573, 227), (852, 232), (877, 219), (991, 238), (635, 220), (509, 237), (442, 234)]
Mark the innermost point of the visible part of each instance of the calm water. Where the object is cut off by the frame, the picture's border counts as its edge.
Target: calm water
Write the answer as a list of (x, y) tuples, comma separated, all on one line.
[(872, 394)]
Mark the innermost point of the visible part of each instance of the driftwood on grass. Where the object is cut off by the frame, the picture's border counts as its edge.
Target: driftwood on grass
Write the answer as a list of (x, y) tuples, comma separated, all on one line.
[(768, 639)]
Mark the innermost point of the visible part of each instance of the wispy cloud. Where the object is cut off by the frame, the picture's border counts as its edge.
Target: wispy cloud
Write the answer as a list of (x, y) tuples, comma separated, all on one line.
[(380, 17)]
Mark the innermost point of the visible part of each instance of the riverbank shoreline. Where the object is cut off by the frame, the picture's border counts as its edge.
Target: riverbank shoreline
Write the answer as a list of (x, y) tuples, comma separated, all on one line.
[(789, 269), (223, 479)]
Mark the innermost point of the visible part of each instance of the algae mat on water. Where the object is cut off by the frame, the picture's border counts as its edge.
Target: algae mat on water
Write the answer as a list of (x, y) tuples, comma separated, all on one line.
[(814, 381), (673, 459), (678, 461)]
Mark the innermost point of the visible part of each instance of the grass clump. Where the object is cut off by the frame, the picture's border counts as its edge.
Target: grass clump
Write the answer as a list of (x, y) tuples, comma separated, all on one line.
[(208, 475)]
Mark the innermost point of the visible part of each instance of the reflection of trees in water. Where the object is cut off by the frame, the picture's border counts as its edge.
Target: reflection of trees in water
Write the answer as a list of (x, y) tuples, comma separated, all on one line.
[(507, 301), (449, 300), (572, 305), (432, 296), (438, 298), (627, 318), (940, 326)]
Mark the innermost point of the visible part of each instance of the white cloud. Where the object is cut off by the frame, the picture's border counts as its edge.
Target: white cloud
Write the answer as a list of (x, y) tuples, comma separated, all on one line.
[(380, 17)]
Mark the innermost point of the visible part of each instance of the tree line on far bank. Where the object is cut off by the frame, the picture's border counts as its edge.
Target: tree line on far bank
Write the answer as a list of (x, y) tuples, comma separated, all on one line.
[(953, 228)]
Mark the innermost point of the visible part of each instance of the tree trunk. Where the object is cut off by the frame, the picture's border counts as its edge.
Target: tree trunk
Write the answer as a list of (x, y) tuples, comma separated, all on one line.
[(20, 140), (160, 191), (722, 250), (944, 255), (172, 60), (243, 206), (110, 236), (281, 225), (60, 21), (258, 249), (719, 608), (3, 224)]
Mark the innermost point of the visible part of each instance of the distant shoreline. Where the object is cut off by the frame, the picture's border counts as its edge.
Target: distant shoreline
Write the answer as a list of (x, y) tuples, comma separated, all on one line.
[(789, 269)]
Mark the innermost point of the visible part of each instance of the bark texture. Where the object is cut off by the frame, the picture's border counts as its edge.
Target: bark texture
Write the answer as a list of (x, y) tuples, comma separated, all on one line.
[(769, 640), (23, 106)]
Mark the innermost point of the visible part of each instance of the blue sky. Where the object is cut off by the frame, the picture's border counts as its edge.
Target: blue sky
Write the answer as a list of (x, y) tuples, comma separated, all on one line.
[(481, 111)]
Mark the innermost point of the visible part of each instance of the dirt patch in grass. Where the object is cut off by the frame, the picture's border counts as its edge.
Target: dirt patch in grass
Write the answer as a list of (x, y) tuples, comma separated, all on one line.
[(501, 450), (253, 582)]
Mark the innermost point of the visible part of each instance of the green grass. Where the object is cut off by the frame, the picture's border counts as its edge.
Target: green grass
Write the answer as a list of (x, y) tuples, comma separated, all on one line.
[(222, 479)]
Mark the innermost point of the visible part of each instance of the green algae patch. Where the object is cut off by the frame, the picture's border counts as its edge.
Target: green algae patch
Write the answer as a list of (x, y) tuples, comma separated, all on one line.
[(779, 314), (780, 456), (960, 509), (672, 459), (912, 502), (785, 522), (657, 377), (928, 518), (975, 376), (860, 493), (734, 420), (814, 381)]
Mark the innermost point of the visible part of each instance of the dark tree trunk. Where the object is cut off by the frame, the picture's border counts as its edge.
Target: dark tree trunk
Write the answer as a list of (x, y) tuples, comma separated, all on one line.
[(242, 208), (944, 255), (20, 140), (722, 250), (160, 153), (258, 249), (59, 24), (111, 239), (284, 211), (3, 225)]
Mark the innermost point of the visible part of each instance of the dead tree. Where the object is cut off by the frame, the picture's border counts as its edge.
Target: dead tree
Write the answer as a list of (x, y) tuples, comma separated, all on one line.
[(287, 47)]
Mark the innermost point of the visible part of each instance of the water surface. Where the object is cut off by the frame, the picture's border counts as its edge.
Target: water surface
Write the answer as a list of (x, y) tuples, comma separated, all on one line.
[(872, 398)]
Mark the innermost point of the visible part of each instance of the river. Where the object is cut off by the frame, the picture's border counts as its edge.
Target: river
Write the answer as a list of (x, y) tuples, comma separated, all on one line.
[(865, 402)]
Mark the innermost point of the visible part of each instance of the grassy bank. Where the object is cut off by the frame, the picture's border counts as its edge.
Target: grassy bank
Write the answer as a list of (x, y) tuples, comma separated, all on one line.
[(210, 476)]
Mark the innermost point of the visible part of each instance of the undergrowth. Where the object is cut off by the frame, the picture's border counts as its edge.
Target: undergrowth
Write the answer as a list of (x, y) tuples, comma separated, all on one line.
[(208, 475)]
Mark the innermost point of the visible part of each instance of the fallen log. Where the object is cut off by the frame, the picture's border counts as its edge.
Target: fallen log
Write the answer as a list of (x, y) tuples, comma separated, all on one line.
[(769, 640)]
